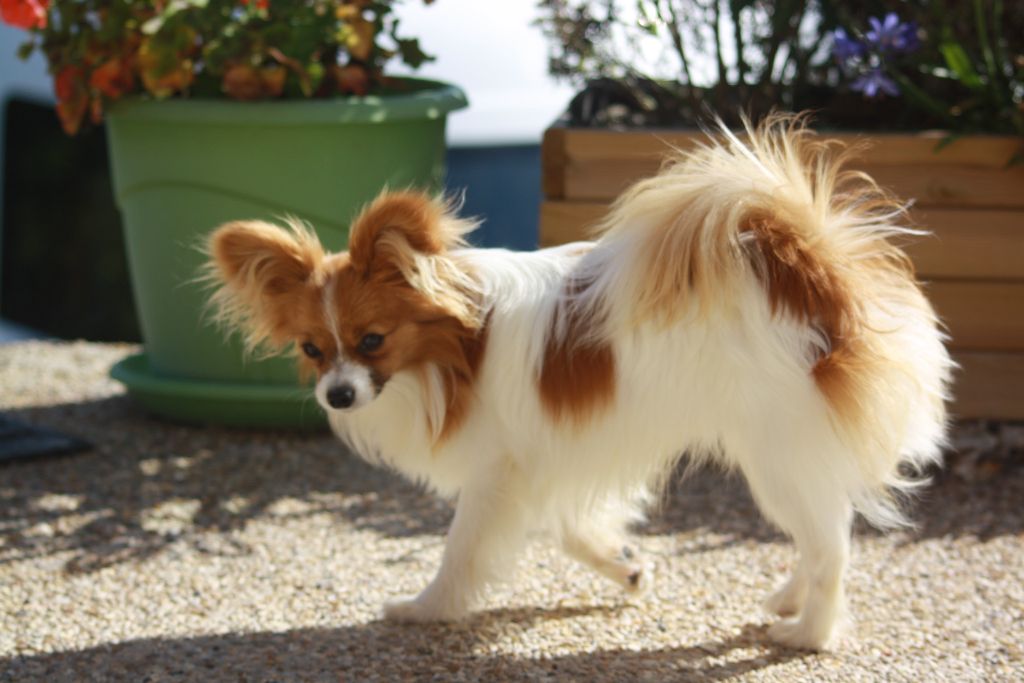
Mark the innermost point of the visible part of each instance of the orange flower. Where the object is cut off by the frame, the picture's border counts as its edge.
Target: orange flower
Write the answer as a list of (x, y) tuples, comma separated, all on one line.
[(242, 82), (26, 14), (163, 72), (273, 78), (260, 4), (113, 78), (352, 79), (96, 110), (72, 98), (245, 82), (359, 38)]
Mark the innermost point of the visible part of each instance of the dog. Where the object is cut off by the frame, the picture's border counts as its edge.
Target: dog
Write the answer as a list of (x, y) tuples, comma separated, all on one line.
[(746, 306)]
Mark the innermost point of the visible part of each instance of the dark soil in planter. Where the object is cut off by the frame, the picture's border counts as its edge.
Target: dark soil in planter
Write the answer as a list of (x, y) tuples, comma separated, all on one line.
[(635, 103)]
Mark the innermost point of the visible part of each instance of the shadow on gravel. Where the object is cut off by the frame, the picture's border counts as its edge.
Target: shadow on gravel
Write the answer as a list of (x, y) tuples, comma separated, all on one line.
[(392, 652), (720, 503), (148, 484)]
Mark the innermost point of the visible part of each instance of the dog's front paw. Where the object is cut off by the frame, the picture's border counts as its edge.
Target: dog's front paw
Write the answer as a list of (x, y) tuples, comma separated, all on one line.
[(422, 608), (788, 600), (637, 577), (800, 635)]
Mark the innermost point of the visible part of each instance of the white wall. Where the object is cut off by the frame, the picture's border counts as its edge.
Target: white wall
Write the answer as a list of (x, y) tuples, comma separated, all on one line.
[(29, 77), (491, 50)]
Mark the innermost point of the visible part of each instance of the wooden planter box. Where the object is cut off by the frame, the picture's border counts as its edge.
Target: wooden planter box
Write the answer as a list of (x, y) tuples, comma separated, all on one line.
[(965, 194)]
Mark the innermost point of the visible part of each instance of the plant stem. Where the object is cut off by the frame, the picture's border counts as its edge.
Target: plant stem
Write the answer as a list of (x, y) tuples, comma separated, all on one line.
[(920, 97), (723, 76), (1000, 62), (778, 36), (735, 9), (986, 50), (677, 37)]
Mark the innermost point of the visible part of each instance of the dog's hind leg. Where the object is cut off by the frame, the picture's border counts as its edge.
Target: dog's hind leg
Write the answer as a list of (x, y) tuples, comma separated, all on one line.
[(487, 532), (606, 550), (790, 598), (798, 491)]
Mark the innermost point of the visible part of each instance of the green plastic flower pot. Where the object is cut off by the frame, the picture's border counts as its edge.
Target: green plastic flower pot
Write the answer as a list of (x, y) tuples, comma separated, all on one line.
[(183, 167)]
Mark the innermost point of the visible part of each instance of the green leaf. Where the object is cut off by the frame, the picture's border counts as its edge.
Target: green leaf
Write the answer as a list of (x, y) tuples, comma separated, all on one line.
[(411, 52), (960, 64), (946, 141), (645, 22), (314, 75), (156, 23), (153, 25), (26, 49)]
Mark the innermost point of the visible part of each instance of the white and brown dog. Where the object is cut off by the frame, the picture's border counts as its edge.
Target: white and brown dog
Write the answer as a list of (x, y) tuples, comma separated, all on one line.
[(744, 306)]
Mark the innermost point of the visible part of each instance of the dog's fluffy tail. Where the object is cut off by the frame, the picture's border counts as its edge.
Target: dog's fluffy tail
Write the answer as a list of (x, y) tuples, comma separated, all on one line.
[(778, 206)]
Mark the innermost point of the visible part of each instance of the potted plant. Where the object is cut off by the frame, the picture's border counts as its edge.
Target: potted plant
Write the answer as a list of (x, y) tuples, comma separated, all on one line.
[(227, 109), (932, 95)]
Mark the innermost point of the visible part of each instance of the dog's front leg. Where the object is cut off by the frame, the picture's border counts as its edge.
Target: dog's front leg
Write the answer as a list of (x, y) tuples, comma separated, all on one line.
[(485, 535)]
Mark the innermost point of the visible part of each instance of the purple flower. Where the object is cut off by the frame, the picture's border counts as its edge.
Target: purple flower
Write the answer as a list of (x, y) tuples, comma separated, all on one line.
[(845, 48), (890, 34), (874, 83), (908, 41)]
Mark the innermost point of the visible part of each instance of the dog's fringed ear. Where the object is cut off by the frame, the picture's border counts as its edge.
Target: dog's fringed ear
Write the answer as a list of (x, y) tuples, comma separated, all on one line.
[(260, 272), (411, 233), (397, 225)]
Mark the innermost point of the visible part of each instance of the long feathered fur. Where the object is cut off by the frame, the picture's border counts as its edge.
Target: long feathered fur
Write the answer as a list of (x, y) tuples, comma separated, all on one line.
[(253, 272)]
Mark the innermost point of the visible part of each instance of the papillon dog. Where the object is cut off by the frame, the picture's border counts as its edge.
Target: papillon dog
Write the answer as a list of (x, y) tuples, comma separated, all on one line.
[(745, 306)]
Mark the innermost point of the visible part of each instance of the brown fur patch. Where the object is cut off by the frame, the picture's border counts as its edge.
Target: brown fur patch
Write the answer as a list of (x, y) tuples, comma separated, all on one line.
[(807, 284), (407, 235), (412, 215), (460, 379), (417, 332), (800, 280), (577, 377), (269, 281)]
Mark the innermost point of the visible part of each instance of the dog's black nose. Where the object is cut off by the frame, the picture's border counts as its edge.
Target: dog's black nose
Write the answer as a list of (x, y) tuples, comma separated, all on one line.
[(341, 396)]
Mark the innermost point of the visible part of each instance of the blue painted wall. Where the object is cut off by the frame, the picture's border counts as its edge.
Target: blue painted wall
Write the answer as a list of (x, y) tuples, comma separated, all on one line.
[(502, 186)]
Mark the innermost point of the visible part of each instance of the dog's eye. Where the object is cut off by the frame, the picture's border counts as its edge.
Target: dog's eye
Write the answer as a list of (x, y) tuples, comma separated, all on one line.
[(370, 342), (311, 350)]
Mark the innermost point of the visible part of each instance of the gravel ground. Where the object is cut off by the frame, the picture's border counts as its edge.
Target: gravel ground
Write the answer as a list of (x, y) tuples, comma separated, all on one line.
[(173, 553)]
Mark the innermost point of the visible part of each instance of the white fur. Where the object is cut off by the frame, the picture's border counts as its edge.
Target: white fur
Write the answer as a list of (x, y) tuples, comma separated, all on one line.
[(735, 389), (731, 384)]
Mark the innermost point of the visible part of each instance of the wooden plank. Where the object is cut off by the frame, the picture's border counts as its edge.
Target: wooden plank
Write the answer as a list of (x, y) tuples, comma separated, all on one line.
[(583, 164), (604, 180), (563, 222), (981, 316), (583, 146), (945, 185), (969, 243), (951, 185), (965, 244), (897, 149), (553, 162), (992, 151), (989, 385)]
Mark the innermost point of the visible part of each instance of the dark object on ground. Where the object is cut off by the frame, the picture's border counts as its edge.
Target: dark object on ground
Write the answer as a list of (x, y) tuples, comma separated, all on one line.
[(19, 441)]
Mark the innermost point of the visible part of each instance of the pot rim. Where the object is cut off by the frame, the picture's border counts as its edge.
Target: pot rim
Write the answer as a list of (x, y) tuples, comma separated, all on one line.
[(429, 100)]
